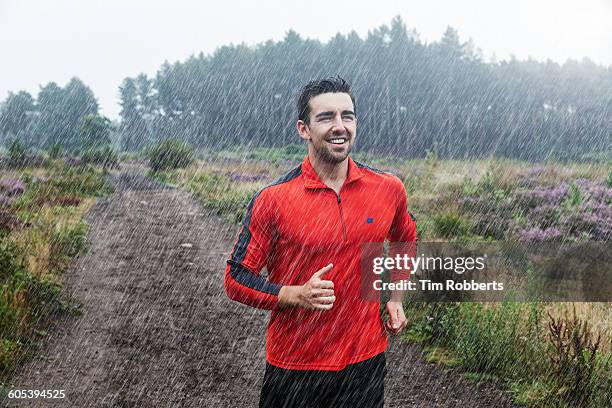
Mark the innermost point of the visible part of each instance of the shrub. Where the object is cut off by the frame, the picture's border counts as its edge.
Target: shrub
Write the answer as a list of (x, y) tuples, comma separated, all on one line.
[(105, 157), (8, 350), (64, 186), (422, 230), (489, 226), (167, 177), (558, 368), (574, 197), (8, 221), (10, 190), (25, 301), (469, 188), (9, 259), (450, 225), (438, 321), (545, 216), (432, 158), (79, 182), (69, 241), (218, 193), (492, 340), (419, 179), (17, 153), (171, 154), (573, 356), (567, 211), (539, 195), (66, 201), (536, 234), (55, 151), (602, 383), (73, 162)]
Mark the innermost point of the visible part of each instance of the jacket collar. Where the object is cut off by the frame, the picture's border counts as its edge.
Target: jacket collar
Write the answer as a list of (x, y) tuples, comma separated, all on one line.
[(312, 180)]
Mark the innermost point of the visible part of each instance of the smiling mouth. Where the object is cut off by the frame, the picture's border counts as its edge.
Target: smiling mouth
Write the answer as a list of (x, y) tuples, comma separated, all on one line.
[(337, 140)]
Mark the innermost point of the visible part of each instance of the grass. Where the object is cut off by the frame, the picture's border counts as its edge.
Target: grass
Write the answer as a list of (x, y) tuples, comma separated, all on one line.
[(598, 314), (441, 355), (449, 224), (35, 252), (215, 188), (512, 342)]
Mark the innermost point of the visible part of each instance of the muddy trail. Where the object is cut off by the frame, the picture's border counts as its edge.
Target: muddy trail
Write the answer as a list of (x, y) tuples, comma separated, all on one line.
[(157, 329)]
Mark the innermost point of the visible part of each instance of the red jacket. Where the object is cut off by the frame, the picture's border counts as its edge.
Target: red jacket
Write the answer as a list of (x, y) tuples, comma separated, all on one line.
[(296, 226)]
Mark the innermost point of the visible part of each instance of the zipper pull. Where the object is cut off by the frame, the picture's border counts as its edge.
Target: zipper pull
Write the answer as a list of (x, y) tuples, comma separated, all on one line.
[(338, 197)]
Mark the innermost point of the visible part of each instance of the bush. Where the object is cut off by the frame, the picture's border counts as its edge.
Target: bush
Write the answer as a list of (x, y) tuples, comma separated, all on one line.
[(17, 153), (574, 198), (171, 154), (9, 259), (418, 180), (557, 366), (55, 151), (79, 182), (437, 323), (489, 339), (422, 230), (602, 383), (66, 243), (218, 193), (166, 177), (64, 186), (573, 357), (10, 190), (105, 157), (8, 350), (24, 300), (450, 225)]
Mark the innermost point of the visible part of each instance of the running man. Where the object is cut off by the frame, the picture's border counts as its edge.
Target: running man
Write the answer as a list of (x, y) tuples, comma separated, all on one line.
[(325, 343)]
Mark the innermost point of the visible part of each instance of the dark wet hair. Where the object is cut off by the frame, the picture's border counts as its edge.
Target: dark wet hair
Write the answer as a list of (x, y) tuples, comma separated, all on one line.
[(318, 87)]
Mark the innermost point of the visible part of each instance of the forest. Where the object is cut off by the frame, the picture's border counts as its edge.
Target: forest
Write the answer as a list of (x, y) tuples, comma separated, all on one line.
[(412, 97)]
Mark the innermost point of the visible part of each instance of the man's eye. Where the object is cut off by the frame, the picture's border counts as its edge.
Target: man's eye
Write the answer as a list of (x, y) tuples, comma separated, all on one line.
[(348, 118)]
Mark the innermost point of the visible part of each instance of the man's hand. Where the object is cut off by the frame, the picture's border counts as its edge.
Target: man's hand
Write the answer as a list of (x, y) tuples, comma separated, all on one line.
[(316, 294), (397, 318)]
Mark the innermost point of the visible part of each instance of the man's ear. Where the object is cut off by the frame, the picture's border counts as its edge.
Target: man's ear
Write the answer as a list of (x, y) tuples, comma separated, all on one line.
[(302, 129)]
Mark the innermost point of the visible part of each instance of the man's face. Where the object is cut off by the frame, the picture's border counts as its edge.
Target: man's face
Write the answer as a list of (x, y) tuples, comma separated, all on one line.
[(332, 128)]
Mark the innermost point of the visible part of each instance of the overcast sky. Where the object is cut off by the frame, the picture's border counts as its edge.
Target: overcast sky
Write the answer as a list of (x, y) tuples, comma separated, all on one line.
[(104, 41)]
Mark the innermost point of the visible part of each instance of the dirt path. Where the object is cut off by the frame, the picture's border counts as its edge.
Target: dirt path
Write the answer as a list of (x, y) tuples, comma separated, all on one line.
[(158, 331)]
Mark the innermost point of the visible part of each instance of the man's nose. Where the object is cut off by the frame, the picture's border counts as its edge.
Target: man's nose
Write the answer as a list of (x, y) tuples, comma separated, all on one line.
[(337, 125)]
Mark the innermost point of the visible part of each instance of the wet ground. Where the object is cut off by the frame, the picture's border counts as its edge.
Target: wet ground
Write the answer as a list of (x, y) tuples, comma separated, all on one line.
[(158, 331)]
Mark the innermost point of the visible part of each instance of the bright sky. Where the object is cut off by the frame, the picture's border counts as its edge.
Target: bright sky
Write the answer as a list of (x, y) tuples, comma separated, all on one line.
[(104, 41)]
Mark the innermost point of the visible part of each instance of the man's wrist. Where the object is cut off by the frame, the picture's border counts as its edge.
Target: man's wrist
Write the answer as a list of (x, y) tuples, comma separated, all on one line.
[(288, 296), (397, 295)]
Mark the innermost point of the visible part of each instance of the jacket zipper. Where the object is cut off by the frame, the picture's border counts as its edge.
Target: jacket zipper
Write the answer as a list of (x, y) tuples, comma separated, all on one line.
[(341, 217)]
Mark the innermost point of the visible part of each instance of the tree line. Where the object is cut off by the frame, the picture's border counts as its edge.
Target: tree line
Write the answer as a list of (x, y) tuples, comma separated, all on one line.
[(60, 119), (413, 97)]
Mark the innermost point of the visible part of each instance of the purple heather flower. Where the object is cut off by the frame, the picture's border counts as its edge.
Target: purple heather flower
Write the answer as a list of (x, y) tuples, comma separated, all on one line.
[(539, 235), (12, 187), (5, 201)]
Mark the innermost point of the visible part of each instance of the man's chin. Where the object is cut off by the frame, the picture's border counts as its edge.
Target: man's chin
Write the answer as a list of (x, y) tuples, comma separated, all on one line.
[(336, 158), (332, 157)]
